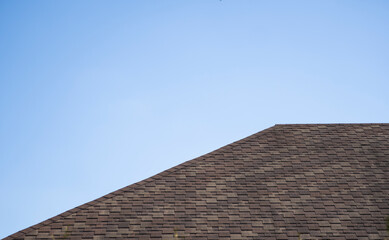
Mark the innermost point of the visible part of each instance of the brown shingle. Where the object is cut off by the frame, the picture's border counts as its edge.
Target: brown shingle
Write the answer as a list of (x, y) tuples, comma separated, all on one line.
[(323, 181)]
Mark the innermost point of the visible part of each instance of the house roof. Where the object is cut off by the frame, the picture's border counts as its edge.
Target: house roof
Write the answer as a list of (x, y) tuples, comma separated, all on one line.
[(318, 180)]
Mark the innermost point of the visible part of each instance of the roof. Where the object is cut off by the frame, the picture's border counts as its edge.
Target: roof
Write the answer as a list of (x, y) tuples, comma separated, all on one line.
[(318, 180)]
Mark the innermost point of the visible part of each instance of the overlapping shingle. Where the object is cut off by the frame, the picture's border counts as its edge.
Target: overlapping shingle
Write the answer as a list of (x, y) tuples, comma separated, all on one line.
[(324, 181)]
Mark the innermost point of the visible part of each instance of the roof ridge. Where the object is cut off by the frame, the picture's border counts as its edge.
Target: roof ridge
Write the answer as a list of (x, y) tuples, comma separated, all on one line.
[(318, 124), (164, 173)]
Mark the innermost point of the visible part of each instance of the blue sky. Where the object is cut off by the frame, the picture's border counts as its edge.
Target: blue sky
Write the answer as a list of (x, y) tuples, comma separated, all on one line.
[(97, 95)]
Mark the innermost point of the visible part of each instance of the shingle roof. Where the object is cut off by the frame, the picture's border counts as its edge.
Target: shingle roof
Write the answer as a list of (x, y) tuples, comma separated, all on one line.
[(323, 181)]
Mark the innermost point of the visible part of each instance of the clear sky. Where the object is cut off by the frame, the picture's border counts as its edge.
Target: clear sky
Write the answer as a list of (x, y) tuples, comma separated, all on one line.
[(97, 95)]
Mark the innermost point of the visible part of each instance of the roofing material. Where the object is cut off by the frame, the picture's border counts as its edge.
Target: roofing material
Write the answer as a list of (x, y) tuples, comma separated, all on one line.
[(319, 181)]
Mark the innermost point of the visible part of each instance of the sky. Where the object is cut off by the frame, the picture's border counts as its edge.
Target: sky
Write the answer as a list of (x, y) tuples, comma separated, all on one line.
[(97, 95)]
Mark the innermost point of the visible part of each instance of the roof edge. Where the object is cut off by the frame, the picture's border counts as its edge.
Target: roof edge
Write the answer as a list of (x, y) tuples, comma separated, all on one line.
[(318, 124)]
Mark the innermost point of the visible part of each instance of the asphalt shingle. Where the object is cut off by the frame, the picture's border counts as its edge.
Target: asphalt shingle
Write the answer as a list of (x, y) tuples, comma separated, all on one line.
[(322, 181)]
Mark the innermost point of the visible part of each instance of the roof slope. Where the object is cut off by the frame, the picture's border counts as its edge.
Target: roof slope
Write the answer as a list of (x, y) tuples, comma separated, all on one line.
[(322, 181)]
